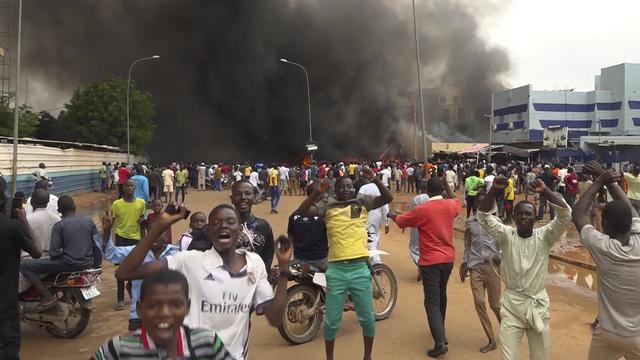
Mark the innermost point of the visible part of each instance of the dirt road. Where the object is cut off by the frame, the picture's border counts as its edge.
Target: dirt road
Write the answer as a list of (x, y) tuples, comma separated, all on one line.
[(405, 335)]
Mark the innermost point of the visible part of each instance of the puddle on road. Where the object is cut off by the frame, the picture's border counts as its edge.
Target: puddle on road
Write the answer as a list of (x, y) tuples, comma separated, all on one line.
[(566, 275)]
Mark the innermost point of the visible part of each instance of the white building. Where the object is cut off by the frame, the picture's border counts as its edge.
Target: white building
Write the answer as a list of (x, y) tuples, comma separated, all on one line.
[(612, 109)]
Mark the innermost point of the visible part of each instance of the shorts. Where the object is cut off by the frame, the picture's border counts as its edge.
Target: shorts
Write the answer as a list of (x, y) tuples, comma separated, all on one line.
[(471, 200), (168, 188)]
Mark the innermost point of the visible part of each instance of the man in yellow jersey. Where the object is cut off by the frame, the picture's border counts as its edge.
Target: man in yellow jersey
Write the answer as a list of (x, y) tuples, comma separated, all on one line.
[(346, 220), (273, 187)]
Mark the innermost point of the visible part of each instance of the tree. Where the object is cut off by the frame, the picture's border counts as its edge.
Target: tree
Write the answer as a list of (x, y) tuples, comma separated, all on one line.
[(28, 120), (98, 115)]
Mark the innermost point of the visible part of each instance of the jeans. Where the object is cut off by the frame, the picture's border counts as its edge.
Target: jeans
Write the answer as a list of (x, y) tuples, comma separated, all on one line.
[(103, 184), (120, 241), (181, 190), (434, 283), (31, 268), (543, 205), (10, 338), (275, 197), (217, 184)]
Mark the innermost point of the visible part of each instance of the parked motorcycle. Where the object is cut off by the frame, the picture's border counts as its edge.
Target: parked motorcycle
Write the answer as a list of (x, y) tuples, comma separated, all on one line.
[(304, 311), (70, 316)]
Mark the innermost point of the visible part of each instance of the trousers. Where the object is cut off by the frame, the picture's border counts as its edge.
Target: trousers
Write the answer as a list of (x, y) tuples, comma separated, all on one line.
[(606, 345), (434, 284), (484, 279), (354, 278), (512, 329)]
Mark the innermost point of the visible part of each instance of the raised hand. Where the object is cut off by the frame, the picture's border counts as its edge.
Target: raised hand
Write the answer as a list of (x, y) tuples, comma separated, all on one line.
[(609, 177), (368, 174), (284, 249), (594, 168), (499, 182), (537, 186)]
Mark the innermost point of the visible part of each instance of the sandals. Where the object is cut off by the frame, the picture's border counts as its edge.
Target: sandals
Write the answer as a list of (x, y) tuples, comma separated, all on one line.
[(119, 306)]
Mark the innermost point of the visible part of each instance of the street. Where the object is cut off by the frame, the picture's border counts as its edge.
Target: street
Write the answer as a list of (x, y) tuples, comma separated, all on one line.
[(404, 335)]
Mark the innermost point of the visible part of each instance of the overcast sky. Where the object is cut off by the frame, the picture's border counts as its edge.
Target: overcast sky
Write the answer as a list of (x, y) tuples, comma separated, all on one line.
[(559, 44)]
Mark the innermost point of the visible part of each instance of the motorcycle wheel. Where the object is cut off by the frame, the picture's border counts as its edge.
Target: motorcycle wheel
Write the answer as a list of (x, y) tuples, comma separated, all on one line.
[(227, 185), (65, 329), (295, 328), (384, 298)]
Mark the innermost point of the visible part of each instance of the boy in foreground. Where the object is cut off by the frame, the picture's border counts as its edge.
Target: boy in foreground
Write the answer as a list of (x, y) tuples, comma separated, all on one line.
[(163, 305)]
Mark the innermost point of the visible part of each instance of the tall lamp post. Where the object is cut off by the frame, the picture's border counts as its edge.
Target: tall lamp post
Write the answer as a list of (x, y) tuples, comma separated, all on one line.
[(16, 110), (425, 151), (308, 97), (128, 81), (490, 133)]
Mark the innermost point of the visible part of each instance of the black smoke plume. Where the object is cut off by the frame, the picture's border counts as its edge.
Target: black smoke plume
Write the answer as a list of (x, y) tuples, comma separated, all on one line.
[(221, 92)]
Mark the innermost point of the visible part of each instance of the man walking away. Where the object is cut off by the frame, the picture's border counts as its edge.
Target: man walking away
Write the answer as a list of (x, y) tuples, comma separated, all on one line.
[(482, 261), (434, 221), (570, 186), (167, 181), (103, 177), (616, 252)]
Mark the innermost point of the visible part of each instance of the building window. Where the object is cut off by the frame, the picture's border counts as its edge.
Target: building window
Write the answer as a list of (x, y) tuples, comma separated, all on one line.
[(456, 99), (442, 99), (461, 114)]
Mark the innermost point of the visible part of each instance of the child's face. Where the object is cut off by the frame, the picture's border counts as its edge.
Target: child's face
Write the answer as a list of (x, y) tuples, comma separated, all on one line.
[(156, 206), (162, 312), (197, 221)]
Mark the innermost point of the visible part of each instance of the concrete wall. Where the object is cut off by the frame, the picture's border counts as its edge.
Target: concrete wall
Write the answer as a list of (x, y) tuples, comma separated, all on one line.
[(72, 170)]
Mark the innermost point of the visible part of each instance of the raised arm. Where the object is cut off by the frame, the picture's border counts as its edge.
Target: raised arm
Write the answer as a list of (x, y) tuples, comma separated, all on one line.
[(131, 266), (499, 183), (275, 309), (315, 196), (385, 194), (611, 182), (447, 189)]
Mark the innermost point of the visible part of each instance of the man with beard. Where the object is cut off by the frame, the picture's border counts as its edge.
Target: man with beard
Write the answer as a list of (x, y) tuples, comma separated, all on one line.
[(256, 233)]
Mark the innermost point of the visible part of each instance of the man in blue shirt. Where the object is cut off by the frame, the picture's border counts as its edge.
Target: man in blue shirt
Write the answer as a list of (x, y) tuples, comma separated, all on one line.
[(142, 185), (117, 254), (72, 242)]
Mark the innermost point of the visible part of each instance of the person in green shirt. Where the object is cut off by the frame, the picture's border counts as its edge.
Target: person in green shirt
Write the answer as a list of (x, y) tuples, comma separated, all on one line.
[(472, 185), (103, 177), (633, 182), (181, 182)]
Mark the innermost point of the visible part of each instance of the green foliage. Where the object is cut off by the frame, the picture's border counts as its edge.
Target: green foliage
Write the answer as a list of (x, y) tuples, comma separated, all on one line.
[(28, 120), (98, 115)]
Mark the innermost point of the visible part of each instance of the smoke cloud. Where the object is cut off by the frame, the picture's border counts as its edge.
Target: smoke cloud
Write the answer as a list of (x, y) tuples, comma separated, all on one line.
[(222, 94)]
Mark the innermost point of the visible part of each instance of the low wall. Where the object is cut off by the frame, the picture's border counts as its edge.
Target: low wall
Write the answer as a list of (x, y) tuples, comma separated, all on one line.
[(72, 170)]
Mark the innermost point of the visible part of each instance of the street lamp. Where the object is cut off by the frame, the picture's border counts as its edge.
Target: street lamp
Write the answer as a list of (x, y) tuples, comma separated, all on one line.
[(308, 97), (16, 109), (424, 126), (128, 81), (490, 133)]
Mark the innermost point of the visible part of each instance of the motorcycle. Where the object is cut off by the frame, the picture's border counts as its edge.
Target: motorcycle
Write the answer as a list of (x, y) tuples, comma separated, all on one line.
[(262, 193), (71, 314), (304, 310)]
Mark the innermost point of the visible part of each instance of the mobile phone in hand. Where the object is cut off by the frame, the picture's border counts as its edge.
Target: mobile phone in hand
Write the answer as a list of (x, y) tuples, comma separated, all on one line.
[(16, 203), (172, 209)]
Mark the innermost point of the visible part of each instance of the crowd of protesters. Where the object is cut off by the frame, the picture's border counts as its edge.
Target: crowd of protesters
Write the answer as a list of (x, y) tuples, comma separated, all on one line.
[(225, 278)]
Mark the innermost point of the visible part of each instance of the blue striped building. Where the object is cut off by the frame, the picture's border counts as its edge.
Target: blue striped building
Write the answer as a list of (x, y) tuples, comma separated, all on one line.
[(612, 109)]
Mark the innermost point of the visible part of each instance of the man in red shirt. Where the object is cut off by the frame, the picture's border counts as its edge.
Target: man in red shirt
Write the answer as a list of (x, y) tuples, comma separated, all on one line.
[(434, 221), (570, 187), (123, 176)]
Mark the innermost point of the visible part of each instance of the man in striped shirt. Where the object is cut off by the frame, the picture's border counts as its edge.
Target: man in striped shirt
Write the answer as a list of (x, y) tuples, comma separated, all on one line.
[(164, 303)]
